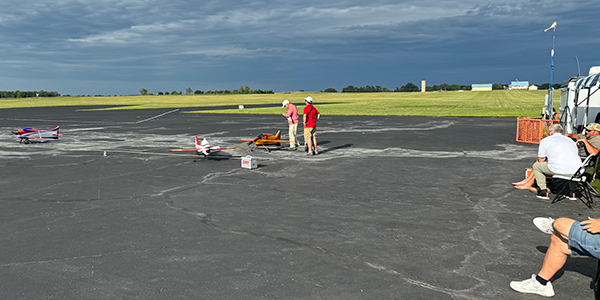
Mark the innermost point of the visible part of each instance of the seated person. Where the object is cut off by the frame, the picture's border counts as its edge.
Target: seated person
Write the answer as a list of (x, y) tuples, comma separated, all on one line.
[(568, 237), (557, 155), (590, 141)]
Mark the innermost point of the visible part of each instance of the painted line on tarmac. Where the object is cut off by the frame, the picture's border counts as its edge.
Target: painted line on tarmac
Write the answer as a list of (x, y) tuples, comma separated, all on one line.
[(142, 121)]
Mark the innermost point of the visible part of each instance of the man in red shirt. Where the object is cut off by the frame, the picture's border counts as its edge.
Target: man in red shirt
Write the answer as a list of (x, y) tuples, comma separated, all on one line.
[(310, 118)]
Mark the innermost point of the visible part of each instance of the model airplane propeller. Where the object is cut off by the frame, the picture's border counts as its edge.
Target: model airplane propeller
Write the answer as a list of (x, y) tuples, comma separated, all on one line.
[(28, 133), (202, 148), (265, 139)]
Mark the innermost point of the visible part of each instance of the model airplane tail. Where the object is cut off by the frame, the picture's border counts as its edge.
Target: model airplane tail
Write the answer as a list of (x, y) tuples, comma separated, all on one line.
[(278, 135), (54, 132)]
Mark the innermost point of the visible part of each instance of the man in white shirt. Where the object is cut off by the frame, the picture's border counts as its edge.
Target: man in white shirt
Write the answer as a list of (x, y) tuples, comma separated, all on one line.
[(557, 155)]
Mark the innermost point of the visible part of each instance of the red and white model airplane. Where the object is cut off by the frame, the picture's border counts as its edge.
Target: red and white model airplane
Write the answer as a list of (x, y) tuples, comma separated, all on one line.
[(29, 133), (202, 148)]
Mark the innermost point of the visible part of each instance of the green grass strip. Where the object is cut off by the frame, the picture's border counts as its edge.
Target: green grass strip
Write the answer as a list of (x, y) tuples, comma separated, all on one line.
[(437, 104)]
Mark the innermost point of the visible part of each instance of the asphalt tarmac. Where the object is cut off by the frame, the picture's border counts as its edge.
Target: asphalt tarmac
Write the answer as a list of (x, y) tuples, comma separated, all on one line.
[(391, 208)]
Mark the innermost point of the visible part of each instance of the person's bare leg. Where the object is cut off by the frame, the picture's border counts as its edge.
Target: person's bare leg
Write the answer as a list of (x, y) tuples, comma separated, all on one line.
[(527, 180), (524, 181), (558, 251), (310, 145), (527, 184)]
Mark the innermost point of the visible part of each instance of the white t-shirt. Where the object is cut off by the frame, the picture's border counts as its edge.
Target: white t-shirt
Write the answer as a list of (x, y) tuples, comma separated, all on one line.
[(562, 154)]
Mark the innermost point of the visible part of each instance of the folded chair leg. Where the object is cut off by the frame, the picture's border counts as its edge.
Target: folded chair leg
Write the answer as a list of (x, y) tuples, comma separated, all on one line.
[(596, 281), (560, 195), (587, 195)]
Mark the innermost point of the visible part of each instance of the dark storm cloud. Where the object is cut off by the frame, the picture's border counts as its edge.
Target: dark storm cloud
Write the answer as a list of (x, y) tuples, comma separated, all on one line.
[(117, 47)]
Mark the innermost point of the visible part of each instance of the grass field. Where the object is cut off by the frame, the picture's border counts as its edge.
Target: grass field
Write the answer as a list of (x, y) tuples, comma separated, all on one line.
[(457, 104)]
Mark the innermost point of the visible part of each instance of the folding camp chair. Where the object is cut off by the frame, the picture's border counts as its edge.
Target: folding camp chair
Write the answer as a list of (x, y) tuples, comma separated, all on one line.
[(595, 284), (578, 184)]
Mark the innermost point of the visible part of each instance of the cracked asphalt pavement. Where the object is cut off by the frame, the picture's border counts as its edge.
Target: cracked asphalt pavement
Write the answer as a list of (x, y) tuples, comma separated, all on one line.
[(391, 208)]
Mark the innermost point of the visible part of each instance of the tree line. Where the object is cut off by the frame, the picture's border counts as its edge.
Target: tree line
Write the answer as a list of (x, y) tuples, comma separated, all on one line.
[(411, 87), (241, 91), (27, 94)]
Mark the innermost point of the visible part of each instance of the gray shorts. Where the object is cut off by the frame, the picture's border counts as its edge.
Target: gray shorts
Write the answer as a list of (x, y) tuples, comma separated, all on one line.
[(582, 242)]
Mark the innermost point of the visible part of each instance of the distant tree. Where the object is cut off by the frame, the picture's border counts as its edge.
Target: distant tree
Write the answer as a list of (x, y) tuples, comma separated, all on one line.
[(409, 87), (144, 92), (243, 90), (175, 93), (544, 86), (330, 90), (497, 86), (188, 91), (198, 92), (160, 93), (349, 89), (166, 93)]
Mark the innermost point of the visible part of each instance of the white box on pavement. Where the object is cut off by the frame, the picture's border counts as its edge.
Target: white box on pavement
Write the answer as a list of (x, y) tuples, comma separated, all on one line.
[(249, 162)]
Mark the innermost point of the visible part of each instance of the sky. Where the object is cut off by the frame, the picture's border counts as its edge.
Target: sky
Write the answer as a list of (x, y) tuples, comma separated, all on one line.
[(108, 47)]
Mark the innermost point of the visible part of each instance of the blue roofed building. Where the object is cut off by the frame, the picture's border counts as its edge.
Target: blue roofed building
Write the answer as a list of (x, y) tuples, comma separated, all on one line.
[(519, 85), (478, 87)]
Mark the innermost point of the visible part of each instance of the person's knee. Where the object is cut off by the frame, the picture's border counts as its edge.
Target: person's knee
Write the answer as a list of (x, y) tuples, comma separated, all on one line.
[(563, 225)]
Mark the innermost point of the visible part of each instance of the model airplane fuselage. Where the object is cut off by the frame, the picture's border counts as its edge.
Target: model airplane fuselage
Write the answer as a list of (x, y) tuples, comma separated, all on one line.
[(202, 148), (29, 133), (265, 139)]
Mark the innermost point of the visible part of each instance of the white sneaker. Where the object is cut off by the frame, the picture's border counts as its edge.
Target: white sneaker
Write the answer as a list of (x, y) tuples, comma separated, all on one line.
[(544, 224), (532, 286)]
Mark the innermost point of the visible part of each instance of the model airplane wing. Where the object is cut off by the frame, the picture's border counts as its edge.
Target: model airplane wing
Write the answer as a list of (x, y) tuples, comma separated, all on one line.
[(264, 140), (221, 148), (184, 149), (278, 141)]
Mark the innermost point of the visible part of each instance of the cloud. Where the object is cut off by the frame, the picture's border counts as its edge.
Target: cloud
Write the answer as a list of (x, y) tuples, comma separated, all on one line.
[(353, 41)]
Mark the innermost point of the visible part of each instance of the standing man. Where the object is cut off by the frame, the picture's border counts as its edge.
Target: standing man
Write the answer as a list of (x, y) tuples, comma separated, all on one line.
[(557, 155), (292, 117), (310, 118)]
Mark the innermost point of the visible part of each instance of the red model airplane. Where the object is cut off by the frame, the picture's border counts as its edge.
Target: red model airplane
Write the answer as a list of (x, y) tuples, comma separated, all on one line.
[(29, 133), (265, 139), (202, 148)]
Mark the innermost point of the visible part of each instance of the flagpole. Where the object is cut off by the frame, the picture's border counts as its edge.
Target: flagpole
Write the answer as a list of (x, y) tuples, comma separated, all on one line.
[(549, 108)]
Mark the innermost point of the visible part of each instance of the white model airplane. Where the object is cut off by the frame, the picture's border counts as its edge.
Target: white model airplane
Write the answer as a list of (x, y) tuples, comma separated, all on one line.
[(202, 148)]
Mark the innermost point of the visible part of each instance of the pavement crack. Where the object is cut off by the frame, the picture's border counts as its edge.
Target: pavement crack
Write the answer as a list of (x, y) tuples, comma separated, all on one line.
[(58, 260), (207, 220)]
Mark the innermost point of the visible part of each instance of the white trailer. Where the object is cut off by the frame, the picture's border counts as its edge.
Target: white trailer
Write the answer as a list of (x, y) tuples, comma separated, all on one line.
[(580, 101)]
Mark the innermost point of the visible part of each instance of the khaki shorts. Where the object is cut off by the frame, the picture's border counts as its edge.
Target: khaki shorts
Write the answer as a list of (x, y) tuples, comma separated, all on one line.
[(310, 134)]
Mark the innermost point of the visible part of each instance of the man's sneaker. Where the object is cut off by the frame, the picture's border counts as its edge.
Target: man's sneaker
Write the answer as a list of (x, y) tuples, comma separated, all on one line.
[(544, 224), (543, 194), (572, 196), (532, 286)]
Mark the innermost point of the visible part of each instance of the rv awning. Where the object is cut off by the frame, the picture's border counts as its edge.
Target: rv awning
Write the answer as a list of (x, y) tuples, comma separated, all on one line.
[(587, 82)]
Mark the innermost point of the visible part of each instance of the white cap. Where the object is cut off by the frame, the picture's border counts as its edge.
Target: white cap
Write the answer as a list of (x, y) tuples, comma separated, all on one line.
[(308, 99), (285, 102)]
